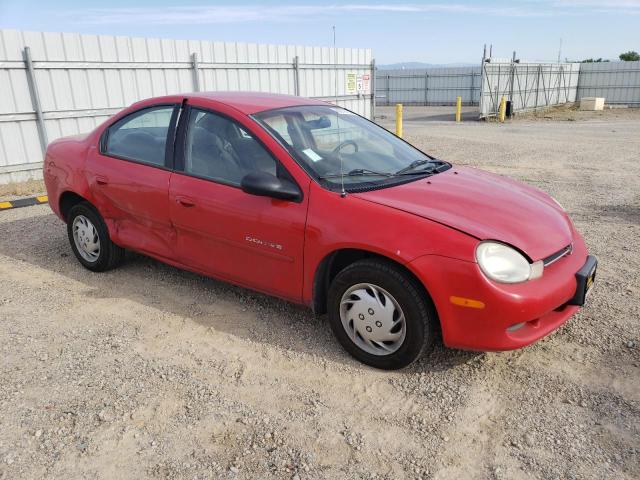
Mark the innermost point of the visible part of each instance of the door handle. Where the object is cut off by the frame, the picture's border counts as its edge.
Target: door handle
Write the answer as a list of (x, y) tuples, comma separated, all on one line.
[(100, 180), (185, 201)]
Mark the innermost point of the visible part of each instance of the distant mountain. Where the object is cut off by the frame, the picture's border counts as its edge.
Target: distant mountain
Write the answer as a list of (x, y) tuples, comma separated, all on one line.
[(411, 65)]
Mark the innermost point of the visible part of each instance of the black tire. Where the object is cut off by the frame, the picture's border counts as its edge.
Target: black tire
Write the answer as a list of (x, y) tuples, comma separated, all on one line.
[(420, 314), (110, 254)]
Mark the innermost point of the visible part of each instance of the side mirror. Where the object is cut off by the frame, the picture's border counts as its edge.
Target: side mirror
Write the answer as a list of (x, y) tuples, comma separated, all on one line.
[(266, 185)]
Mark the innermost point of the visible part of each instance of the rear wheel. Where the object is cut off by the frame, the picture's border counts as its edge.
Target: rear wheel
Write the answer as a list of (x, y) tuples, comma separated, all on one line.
[(89, 239), (380, 315)]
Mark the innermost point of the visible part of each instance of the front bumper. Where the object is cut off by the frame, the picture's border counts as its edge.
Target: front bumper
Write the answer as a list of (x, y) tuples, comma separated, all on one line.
[(503, 316)]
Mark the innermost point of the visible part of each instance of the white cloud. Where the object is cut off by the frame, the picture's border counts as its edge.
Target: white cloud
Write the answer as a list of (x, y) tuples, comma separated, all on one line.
[(286, 13), (623, 4), (592, 6), (256, 13)]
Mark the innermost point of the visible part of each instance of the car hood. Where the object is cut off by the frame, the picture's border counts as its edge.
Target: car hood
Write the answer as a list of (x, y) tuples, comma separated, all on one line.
[(486, 206)]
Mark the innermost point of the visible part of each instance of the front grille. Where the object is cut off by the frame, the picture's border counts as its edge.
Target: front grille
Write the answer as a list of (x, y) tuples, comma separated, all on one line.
[(558, 255)]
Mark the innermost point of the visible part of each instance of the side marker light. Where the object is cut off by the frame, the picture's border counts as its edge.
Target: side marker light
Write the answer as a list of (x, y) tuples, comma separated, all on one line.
[(466, 302)]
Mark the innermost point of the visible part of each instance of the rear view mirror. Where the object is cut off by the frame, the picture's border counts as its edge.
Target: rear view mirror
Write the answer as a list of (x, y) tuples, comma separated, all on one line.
[(267, 185), (322, 122)]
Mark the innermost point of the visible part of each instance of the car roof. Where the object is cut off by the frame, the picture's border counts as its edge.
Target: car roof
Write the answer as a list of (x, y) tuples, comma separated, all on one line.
[(253, 102)]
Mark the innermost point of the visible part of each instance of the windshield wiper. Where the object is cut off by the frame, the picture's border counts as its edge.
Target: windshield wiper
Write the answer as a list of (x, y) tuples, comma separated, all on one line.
[(417, 163), (359, 172), (436, 165)]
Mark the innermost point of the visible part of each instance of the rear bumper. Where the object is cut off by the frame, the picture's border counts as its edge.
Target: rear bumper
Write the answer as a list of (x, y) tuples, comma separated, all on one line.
[(500, 316)]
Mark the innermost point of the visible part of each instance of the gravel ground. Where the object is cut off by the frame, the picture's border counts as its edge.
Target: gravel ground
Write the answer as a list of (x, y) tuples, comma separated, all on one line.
[(151, 372)]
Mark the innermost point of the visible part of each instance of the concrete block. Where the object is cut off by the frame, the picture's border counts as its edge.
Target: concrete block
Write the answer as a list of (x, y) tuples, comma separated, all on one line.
[(592, 103)]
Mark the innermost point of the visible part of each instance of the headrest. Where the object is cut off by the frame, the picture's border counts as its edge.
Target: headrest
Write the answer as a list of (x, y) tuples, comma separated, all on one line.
[(213, 123)]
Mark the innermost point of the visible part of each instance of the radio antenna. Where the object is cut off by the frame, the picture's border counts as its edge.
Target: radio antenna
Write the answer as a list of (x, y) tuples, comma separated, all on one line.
[(343, 193)]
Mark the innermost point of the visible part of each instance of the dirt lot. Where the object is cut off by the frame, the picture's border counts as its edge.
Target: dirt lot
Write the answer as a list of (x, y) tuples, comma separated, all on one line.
[(151, 372)]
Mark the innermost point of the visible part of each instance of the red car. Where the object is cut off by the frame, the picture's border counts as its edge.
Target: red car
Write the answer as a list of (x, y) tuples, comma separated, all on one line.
[(314, 204)]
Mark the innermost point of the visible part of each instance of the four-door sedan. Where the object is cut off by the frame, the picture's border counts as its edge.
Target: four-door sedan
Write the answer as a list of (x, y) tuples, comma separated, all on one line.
[(314, 204)]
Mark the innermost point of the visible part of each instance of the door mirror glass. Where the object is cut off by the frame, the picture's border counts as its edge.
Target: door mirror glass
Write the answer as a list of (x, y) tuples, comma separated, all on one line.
[(267, 185)]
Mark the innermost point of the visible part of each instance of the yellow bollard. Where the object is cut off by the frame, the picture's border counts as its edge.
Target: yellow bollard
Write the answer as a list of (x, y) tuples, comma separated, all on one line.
[(503, 109), (458, 109), (399, 119)]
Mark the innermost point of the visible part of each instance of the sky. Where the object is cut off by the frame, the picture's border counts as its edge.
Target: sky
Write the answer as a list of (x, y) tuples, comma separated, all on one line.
[(438, 32)]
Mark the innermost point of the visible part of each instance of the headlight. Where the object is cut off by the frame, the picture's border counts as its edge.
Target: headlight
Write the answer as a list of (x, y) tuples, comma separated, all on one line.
[(504, 264)]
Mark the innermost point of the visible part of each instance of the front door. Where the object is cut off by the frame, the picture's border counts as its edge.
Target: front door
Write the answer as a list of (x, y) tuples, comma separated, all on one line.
[(221, 230)]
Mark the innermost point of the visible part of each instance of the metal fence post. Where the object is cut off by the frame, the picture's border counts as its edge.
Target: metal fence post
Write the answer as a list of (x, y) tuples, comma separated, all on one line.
[(526, 84), (35, 100), (296, 75), (578, 93), (388, 89), (426, 89), (481, 92), (195, 72), (498, 91), (535, 105), (471, 91), (513, 74), (373, 88)]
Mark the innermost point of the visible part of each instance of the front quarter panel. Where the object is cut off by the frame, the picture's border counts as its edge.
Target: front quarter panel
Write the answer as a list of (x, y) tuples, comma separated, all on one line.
[(335, 222)]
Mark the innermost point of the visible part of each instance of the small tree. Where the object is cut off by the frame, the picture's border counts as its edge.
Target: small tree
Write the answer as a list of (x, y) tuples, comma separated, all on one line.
[(630, 56)]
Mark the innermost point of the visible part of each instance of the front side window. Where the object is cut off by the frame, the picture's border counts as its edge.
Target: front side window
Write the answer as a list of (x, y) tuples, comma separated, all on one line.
[(334, 144), (219, 149), (141, 136)]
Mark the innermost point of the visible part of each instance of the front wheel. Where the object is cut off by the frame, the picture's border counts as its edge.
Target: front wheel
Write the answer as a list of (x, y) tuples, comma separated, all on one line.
[(380, 314), (89, 239)]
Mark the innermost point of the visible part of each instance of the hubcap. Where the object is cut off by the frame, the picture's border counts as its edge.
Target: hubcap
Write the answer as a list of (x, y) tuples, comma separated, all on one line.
[(373, 319), (85, 236)]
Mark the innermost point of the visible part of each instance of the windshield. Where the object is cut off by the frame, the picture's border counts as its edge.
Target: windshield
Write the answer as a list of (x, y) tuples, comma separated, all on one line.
[(329, 141)]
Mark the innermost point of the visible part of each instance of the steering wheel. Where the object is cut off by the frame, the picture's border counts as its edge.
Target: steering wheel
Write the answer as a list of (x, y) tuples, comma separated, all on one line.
[(344, 144)]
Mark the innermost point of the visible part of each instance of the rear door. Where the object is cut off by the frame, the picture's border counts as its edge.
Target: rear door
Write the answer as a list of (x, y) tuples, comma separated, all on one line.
[(222, 231), (128, 175)]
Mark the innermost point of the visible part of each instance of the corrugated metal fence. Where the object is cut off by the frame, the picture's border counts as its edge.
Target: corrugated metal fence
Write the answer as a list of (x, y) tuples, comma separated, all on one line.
[(430, 86), (64, 84), (527, 85), (617, 82)]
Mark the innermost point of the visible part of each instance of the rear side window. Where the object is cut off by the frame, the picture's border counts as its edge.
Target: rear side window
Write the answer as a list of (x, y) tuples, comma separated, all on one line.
[(141, 136)]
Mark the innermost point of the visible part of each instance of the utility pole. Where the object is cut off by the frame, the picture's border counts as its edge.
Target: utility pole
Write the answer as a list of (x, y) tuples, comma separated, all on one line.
[(560, 50)]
